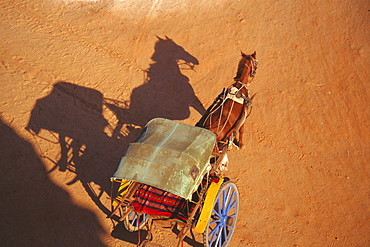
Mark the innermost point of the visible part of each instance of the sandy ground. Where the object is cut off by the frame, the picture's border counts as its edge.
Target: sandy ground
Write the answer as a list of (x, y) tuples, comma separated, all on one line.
[(79, 78)]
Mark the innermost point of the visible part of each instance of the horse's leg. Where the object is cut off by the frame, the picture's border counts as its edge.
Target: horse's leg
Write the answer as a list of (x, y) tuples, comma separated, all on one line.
[(63, 161), (240, 138), (239, 127)]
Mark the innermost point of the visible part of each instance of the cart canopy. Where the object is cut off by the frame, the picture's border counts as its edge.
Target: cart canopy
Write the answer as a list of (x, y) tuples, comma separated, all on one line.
[(170, 156)]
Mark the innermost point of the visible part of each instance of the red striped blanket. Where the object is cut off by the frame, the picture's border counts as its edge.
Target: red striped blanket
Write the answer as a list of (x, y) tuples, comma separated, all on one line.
[(153, 201)]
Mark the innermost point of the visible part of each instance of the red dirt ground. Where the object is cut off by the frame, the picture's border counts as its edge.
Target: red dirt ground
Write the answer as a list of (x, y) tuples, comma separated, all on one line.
[(79, 79)]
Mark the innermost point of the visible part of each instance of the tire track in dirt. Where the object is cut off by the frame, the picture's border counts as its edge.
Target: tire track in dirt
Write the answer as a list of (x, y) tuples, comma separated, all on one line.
[(35, 73), (69, 31)]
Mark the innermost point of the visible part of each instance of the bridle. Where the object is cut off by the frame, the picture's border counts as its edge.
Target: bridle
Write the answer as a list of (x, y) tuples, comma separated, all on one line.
[(252, 67)]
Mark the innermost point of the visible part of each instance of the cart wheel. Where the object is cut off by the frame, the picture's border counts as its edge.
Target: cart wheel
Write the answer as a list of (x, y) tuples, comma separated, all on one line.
[(134, 222), (222, 222)]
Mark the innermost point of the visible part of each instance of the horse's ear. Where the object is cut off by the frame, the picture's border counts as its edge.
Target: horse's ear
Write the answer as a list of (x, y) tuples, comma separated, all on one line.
[(243, 54), (254, 55), (159, 37), (167, 37)]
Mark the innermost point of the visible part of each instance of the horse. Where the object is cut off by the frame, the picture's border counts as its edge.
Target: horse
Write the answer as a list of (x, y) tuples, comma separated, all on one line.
[(227, 115)]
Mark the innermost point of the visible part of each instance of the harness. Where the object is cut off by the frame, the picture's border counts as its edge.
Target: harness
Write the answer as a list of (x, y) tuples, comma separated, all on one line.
[(233, 93), (236, 95)]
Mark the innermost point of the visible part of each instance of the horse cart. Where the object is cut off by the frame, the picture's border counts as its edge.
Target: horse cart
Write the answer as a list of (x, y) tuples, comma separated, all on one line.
[(174, 173)]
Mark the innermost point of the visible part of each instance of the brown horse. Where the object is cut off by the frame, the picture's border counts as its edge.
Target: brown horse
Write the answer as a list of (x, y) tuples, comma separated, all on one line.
[(226, 116)]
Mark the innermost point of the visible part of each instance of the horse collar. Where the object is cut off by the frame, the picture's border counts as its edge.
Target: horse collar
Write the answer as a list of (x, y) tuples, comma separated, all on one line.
[(236, 95)]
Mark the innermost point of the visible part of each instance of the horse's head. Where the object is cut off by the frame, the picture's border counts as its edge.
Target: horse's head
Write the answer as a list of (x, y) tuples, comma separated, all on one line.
[(247, 68), (167, 51)]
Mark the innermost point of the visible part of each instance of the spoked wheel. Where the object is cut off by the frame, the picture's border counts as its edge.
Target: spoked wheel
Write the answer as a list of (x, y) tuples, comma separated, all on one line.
[(222, 222), (134, 222)]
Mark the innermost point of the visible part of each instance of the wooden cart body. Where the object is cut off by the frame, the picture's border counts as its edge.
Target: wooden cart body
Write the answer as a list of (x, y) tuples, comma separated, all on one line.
[(177, 162)]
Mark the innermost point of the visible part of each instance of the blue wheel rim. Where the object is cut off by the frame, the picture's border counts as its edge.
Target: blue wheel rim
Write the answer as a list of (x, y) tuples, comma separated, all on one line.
[(223, 219), (135, 219)]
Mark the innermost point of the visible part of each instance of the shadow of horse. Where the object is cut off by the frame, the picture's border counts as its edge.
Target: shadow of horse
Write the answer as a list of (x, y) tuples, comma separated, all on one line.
[(166, 92)]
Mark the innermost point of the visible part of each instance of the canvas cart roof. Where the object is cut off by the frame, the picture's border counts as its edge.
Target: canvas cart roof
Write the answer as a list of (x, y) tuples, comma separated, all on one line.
[(168, 155)]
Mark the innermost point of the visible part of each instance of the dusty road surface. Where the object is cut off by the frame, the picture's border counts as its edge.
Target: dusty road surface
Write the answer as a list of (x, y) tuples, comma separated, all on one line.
[(80, 78)]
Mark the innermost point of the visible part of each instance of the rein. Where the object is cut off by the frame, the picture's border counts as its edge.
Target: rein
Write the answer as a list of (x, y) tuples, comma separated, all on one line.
[(247, 103)]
